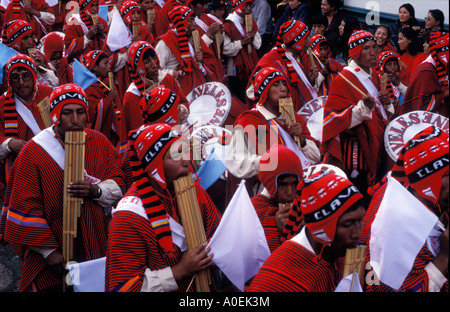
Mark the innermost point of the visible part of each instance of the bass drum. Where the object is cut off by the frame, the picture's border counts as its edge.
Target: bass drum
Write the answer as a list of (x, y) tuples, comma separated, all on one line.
[(315, 169), (401, 129), (313, 113)]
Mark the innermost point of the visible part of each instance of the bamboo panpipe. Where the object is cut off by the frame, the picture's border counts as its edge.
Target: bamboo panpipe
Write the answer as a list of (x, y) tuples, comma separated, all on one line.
[(31, 51), (248, 28), (218, 38), (73, 171), (311, 58), (354, 262), (286, 109), (44, 110), (94, 18), (383, 82), (150, 16), (192, 222), (111, 80), (196, 40), (155, 85), (136, 28)]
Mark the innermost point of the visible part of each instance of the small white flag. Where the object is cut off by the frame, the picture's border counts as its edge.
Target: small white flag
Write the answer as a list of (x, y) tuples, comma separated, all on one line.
[(88, 276), (118, 36), (400, 229), (239, 243)]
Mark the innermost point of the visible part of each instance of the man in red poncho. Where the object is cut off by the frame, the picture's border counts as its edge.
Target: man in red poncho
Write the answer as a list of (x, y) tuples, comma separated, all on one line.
[(34, 216), (355, 116), (20, 118), (144, 254), (428, 88), (54, 54), (312, 261)]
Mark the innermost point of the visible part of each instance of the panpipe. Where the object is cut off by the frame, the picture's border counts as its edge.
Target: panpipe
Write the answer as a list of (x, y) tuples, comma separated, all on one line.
[(192, 222), (383, 82), (311, 58), (136, 25), (286, 108), (354, 262), (94, 18), (218, 39), (151, 87), (44, 111), (111, 80), (31, 51), (248, 28), (196, 40), (74, 146), (150, 16)]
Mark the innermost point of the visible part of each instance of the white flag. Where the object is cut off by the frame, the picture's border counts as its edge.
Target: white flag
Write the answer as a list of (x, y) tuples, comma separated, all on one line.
[(88, 276), (118, 36), (400, 229), (239, 243)]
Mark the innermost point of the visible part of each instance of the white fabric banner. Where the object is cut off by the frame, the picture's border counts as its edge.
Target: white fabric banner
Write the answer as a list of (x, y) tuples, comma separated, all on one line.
[(239, 244), (118, 36), (400, 229)]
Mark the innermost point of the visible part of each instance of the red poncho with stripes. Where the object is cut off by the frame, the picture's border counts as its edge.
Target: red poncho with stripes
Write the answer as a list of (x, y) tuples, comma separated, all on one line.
[(339, 141), (417, 280), (35, 202), (133, 247), (293, 268), (425, 92)]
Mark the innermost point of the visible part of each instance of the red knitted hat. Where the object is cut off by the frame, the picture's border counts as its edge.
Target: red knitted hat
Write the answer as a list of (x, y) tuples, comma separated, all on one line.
[(13, 33), (315, 43), (66, 94), (53, 43), (423, 161), (262, 81), (160, 105), (237, 5), (179, 17), (356, 42), (126, 10), (90, 59), (324, 198), (287, 162), (439, 44), (85, 6), (136, 64)]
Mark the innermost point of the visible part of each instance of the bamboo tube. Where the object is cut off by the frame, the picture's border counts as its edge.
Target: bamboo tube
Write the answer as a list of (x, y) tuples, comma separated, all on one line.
[(383, 82), (44, 111), (136, 28), (286, 109), (218, 38), (150, 16), (354, 262), (196, 40), (111, 80), (31, 51), (248, 28), (94, 18), (192, 222), (311, 58)]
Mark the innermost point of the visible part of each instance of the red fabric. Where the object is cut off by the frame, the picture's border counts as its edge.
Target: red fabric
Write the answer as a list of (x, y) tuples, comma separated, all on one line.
[(266, 208), (411, 62), (293, 268), (133, 247), (337, 118), (243, 62), (37, 192), (161, 21), (424, 92), (38, 29)]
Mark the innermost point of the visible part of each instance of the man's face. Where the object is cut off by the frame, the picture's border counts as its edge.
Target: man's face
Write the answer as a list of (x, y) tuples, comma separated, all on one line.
[(147, 4), (319, 29), (368, 57), (102, 68), (73, 118), (391, 67), (26, 43), (192, 25), (176, 161), (55, 59), (247, 8), (198, 8), (286, 189), (348, 231), (323, 51), (278, 90), (151, 67), (136, 16), (94, 7), (21, 82)]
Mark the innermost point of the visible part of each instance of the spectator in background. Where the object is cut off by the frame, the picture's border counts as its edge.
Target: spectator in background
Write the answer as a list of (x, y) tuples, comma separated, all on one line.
[(406, 18), (263, 16), (410, 50), (382, 35), (320, 27), (348, 25), (434, 21), (295, 10), (330, 8)]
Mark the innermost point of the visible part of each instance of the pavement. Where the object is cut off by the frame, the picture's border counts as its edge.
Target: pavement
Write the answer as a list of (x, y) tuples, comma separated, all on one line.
[(9, 269)]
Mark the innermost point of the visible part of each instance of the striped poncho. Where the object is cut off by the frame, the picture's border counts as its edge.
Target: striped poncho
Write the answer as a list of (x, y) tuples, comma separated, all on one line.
[(35, 215)]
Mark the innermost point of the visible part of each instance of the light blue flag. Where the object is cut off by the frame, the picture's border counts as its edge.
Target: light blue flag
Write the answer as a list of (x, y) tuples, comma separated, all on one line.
[(82, 76), (5, 54), (103, 11), (210, 170)]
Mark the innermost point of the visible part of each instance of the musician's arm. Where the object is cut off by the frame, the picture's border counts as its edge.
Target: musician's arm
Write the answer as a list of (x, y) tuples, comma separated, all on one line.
[(159, 280), (360, 113), (436, 278)]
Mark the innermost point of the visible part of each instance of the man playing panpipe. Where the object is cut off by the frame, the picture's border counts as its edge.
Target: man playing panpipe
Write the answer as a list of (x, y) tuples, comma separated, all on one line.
[(248, 144), (20, 119), (428, 88), (279, 196), (143, 245), (422, 168), (34, 216), (312, 261), (356, 114)]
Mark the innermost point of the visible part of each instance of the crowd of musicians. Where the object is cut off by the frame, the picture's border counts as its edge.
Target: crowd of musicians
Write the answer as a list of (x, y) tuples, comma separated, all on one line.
[(315, 198)]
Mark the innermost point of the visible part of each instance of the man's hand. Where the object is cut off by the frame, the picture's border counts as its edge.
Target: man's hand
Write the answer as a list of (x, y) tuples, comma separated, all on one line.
[(281, 216), (369, 101), (83, 189), (56, 261), (385, 98), (16, 145), (192, 262)]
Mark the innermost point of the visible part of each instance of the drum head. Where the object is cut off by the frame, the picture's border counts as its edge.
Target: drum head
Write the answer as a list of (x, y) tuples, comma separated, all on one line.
[(206, 138), (313, 113), (401, 129), (314, 169), (210, 104)]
